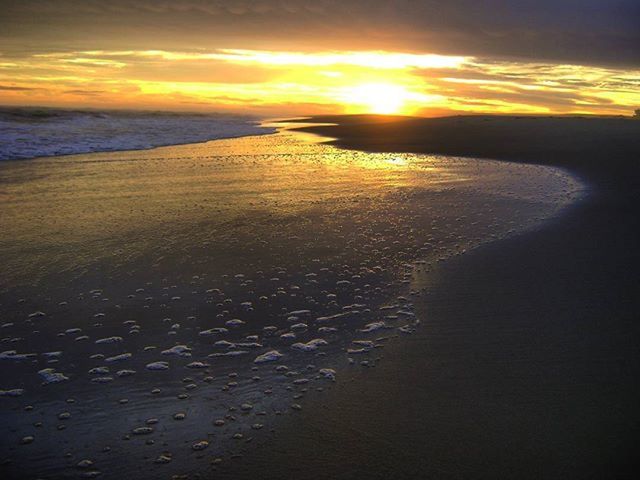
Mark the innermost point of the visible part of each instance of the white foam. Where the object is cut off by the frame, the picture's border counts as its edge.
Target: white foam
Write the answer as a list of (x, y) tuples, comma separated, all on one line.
[(118, 358), (235, 322), (213, 331), (14, 392), (109, 340), (372, 327), (159, 366), (198, 365), (51, 376), (13, 355), (328, 373), (63, 132), (232, 353), (180, 350), (270, 356), (310, 346)]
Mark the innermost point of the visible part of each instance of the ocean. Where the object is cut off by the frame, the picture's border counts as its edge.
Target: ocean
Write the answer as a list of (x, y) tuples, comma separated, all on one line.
[(41, 132)]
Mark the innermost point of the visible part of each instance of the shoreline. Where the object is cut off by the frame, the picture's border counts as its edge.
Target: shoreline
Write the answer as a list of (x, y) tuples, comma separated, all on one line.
[(430, 406), (525, 365), (330, 249), (554, 141)]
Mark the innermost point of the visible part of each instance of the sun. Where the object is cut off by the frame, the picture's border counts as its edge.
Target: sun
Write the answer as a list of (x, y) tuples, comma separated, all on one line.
[(381, 98)]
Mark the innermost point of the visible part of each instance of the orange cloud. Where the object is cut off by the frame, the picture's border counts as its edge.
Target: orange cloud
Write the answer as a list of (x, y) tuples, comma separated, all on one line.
[(280, 82)]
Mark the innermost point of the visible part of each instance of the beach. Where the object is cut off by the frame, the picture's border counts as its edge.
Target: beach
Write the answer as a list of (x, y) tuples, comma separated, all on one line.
[(527, 362), (171, 311), (275, 304), (319, 240)]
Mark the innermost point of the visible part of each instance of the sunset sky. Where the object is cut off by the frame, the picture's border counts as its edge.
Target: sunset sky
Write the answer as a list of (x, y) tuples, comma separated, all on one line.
[(273, 57)]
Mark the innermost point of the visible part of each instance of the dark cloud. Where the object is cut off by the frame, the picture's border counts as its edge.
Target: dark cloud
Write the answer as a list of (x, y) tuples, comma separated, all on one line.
[(84, 93), (16, 89), (602, 32), (542, 99)]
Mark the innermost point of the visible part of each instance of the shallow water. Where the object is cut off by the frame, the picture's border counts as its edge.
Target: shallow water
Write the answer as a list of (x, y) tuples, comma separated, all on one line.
[(230, 249)]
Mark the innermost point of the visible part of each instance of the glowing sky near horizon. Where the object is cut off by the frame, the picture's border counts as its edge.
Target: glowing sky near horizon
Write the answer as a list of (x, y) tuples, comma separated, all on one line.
[(251, 57), (275, 82)]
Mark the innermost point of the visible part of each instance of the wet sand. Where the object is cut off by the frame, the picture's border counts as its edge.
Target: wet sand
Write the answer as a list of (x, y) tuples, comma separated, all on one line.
[(165, 312), (527, 361)]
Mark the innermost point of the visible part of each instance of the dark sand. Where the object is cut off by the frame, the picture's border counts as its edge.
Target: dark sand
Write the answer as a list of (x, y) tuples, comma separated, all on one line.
[(528, 360)]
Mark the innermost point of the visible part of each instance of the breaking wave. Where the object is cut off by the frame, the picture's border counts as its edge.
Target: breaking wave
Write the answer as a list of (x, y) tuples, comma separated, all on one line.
[(40, 132)]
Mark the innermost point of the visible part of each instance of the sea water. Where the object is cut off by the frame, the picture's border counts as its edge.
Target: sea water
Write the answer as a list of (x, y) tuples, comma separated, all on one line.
[(164, 310), (39, 132)]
